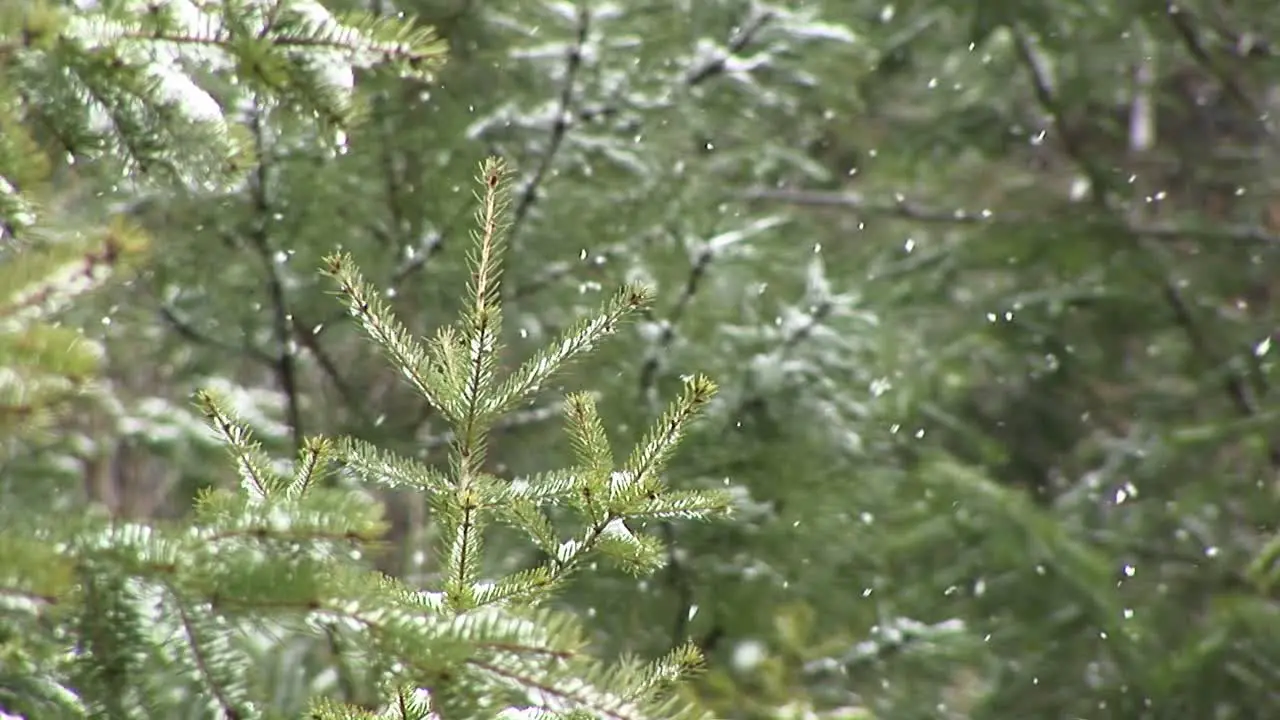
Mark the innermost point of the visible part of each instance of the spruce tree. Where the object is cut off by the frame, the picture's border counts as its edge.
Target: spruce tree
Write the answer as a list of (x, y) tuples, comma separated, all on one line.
[(145, 95), (115, 619)]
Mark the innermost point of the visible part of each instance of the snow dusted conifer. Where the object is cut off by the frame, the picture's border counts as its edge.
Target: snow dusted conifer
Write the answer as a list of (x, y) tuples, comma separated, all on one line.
[(114, 619), (508, 652), (107, 618), (145, 93)]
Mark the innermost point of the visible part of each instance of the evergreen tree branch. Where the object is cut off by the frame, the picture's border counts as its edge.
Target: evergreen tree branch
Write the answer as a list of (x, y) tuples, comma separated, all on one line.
[(587, 435), (382, 467), (283, 551), (484, 321), (650, 457), (405, 353), (313, 461), (46, 280), (256, 477), (115, 82), (739, 42), (231, 708), (908, 210), (509, 421), (578, 339), (417, 260), (483, 327)]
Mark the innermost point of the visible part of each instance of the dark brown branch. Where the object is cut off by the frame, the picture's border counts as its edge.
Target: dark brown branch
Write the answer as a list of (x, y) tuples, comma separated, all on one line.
[(559, 126), (697, 76), (1182, 21), (737, 44)]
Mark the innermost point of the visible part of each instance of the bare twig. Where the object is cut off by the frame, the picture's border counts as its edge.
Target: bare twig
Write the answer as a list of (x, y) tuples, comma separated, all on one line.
[(555, 271), (309, 337), (693, 281)]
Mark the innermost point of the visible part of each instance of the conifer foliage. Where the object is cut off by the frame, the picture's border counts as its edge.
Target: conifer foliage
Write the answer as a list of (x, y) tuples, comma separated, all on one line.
[(118, 620), (110, 618), (145, 93)]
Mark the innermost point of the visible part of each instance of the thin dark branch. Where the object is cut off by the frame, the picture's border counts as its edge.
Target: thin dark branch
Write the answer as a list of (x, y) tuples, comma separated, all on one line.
[(1072, 144), (201, 660), (677, 574), (419, 260), (1183, 24), (701, 74), (678, 577), (190, 332), (309, 337), (1245, 44), (346, 682), (737, 44), (555, 271), (802, 333), (281, 320), (559, 126), (393, 173), (708, 70), (653, 362), (1233, 385)]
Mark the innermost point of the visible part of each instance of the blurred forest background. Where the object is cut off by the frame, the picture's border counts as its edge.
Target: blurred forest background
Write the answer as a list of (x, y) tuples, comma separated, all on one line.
[(992, 290)]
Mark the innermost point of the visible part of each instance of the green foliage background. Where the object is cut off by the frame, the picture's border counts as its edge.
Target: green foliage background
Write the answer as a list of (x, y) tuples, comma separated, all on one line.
[(988, 289)]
